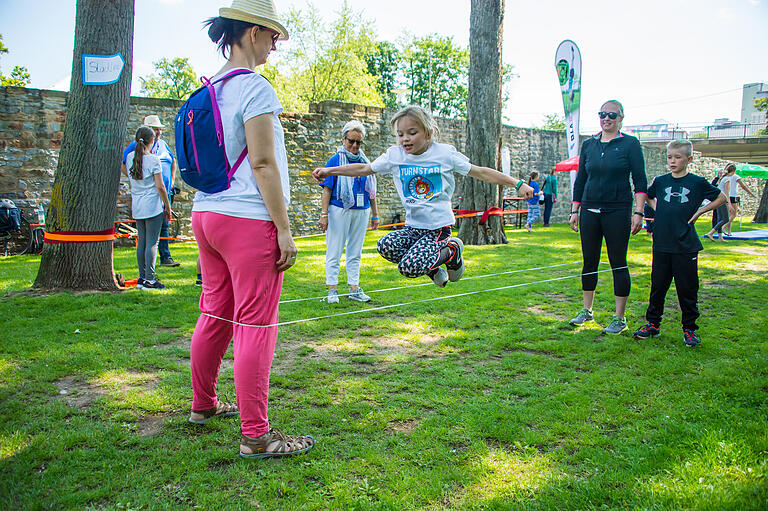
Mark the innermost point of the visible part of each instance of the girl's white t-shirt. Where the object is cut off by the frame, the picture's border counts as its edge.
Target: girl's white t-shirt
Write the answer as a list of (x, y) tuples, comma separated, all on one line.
[(733, 188), (145, 199), (424, 182), (241, 98)]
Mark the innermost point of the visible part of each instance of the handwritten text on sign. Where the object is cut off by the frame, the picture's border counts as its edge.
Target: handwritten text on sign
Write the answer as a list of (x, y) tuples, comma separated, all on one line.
[(102, 69)]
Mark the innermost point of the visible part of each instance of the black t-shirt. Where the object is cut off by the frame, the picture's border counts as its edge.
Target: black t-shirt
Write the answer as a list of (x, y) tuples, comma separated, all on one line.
[(677, 199)]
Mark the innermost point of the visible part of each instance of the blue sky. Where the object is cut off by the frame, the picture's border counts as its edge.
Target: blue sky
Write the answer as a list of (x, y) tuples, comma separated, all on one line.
[(681, 60)]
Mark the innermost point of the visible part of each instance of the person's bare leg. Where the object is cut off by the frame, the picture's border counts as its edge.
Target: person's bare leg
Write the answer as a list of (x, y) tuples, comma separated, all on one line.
[(589, 299), (621, 305)]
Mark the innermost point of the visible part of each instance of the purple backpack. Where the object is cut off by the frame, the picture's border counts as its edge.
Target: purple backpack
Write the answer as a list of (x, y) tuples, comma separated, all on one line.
[(202, 157)]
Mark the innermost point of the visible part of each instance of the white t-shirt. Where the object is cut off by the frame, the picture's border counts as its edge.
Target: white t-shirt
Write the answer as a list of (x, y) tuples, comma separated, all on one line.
[(733, 188), (145, 200), (241, 98), (425, 182)]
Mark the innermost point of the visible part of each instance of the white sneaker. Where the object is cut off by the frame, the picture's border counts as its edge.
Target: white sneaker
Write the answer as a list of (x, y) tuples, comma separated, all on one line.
[(359, 295), (333, 296), (440, 277)]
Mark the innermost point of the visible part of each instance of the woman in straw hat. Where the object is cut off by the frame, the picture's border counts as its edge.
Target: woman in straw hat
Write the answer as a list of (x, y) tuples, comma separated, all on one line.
[(244, 237)]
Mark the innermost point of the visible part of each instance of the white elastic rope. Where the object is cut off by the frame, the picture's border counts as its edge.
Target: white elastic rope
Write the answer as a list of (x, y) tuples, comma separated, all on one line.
[(432, 283), (360, 311)]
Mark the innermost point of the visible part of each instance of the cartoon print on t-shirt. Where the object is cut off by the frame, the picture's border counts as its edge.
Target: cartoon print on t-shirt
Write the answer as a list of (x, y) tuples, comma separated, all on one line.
[(420, 184)]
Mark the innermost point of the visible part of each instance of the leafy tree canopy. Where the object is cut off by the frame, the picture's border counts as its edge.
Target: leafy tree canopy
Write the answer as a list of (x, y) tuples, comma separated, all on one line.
[(19, 76), (435, 71), (173, 79), (762, 105), (553, 122), (325, 60)]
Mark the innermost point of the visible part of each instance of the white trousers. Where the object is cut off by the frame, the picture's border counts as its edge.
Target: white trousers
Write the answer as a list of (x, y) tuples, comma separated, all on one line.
[(344, 227)]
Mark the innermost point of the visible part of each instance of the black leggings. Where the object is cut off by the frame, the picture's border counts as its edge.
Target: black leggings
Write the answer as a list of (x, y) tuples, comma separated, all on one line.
[(720, 217), (613, 225)]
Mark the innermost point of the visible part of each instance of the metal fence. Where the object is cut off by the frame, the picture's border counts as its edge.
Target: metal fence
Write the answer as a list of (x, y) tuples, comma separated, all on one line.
[(718, 131)]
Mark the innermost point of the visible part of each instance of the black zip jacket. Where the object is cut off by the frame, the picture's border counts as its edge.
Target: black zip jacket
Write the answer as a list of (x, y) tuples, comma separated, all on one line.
[(605, 170)]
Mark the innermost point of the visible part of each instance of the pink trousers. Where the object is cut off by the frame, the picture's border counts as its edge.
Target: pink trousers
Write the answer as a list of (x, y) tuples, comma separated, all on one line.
[(240, 282)]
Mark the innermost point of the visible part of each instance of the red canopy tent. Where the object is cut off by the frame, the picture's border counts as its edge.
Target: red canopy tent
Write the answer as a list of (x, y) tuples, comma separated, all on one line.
[(569, 164)]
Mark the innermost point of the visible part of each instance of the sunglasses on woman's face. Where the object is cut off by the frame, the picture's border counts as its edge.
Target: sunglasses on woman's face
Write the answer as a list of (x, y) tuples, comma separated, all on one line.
[(610, 115), (355, 142)]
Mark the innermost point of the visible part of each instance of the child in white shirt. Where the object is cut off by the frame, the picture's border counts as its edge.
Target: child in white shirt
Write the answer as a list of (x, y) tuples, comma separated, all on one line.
[(422, 170)]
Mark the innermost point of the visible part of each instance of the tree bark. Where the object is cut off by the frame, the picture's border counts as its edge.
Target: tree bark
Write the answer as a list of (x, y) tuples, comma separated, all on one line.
[(761, 215), (483, 121), (85, 187)]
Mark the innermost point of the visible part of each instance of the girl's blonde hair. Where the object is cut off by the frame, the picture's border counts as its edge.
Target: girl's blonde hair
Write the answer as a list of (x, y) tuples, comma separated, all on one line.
[(421, 116), (144, 138)]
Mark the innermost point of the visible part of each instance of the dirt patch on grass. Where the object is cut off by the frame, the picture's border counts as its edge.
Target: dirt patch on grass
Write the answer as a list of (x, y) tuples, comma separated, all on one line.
[(376, 351), (749, 250), (555, 296), (179, 342), (402, 426), (81, 394), (150, 425), (538, 310), (77, 393)]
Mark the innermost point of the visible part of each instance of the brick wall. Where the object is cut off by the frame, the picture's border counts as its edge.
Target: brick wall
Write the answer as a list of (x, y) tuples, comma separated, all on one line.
[(32, 121)]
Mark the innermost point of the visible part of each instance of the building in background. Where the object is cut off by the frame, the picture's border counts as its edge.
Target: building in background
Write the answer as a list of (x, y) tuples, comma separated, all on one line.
[(751, 92)]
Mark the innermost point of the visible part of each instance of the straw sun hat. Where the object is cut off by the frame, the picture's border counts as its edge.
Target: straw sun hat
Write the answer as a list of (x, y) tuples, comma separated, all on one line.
[(258, 12), (153, 121)]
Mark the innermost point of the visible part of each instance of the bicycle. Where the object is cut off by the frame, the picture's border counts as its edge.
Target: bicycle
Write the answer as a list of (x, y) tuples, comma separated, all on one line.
[(27, 239)]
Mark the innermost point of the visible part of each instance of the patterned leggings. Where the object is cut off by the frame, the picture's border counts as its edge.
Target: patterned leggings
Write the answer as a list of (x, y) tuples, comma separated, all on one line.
[(416, 251)]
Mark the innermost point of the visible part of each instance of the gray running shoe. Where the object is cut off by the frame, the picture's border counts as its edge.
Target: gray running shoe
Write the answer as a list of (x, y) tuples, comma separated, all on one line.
[(359, 295), (618, 325), (455, 264), (333, 296), (582, 317), (439, 277)]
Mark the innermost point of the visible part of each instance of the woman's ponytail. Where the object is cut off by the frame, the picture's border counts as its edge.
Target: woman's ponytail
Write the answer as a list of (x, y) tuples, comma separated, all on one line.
[(144, 138)]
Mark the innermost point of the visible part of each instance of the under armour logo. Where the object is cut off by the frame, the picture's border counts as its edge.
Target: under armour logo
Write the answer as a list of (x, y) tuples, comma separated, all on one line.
[(682, 194)]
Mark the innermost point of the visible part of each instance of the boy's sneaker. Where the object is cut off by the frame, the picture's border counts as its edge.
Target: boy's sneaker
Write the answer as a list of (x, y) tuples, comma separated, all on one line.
[(690, 338), (455, 264), (618, 325), (333, 296), (359, 295), (644, 332), (581, 318), (153, 284), (169, 262), (439, 277), (140, 283), (199, 280)]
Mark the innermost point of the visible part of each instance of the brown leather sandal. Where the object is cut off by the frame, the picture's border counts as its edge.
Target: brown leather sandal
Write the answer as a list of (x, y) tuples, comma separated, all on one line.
[(275, 443), (221, 410)]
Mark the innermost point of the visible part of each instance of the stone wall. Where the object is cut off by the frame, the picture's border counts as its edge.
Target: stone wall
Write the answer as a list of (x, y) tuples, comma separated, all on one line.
[(32, 121)]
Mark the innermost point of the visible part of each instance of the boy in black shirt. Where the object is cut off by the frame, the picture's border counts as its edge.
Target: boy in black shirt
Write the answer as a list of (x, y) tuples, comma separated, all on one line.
[(676, 197)]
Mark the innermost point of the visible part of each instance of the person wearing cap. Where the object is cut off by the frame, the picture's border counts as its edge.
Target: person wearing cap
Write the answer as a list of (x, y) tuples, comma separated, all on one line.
[(163, 151), (244, 237)]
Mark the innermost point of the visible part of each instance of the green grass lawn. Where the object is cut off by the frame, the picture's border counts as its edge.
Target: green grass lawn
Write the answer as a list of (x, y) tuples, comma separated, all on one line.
[(481, 401)]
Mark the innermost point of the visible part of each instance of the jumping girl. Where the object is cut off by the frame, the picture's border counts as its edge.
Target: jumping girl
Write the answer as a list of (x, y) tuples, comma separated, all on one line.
[(149, 205), (423, 169)]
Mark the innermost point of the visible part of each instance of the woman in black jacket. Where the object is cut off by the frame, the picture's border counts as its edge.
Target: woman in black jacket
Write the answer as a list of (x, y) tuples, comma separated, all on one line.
[(603, 208)]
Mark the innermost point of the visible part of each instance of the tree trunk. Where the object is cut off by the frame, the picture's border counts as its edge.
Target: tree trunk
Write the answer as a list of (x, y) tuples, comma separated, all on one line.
[(85, 187), (483, 121), (761, 215)]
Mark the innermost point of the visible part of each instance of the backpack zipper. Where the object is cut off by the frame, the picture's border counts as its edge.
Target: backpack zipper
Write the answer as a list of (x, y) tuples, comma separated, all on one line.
[(191, 115)]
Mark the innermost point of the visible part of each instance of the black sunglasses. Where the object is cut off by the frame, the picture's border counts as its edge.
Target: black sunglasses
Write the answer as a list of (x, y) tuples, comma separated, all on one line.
[(610, 115), (354, 142)]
